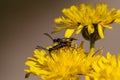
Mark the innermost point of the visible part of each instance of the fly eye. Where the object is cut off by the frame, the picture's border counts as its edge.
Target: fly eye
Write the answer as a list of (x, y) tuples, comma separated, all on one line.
[(58, 40), (55, 40)]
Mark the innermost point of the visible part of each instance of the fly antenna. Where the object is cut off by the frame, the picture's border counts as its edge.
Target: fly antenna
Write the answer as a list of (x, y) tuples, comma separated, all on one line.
[(48, 36), (40, 47)]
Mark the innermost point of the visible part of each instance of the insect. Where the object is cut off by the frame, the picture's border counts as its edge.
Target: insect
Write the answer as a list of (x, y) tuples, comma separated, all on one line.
[(60, 42)]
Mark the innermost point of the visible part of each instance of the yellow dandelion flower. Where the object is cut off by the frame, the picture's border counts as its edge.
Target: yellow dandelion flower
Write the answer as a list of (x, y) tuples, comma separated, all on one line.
[(85, 16), (105, 68), (66, 63)]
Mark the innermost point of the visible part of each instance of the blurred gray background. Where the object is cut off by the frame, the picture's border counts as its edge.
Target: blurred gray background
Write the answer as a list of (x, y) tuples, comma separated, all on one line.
[(22, 24)]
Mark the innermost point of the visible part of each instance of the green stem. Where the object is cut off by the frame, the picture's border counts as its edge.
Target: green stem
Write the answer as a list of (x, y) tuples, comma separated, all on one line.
[(92, 44)]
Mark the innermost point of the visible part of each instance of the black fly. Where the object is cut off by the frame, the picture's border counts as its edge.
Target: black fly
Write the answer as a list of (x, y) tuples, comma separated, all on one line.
[(61, 42)]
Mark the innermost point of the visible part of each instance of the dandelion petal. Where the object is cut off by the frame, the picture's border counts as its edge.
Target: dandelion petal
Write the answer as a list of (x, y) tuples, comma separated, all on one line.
[(69, 33), (100, 31)]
